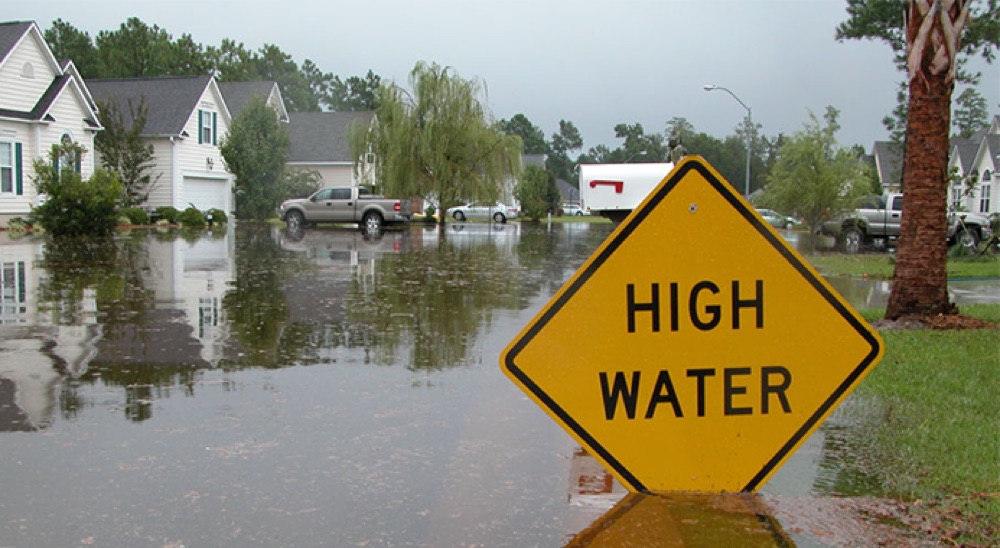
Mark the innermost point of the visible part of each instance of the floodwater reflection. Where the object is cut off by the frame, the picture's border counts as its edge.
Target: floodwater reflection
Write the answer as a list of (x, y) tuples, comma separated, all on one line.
[(255, 386)]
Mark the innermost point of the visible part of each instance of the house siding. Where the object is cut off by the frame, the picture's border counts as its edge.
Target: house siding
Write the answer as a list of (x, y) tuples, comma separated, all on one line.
[(16, 91), (331, 175), (203, 160)]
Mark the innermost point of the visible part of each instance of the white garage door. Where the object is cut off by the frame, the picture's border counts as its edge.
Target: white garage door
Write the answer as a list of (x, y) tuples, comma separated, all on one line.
[(206, 194)]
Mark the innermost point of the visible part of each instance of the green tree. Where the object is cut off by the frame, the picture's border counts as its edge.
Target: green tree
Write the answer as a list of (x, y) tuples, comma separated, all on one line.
[(927, 38), (884, 20), (971, 113), (273, 64), (135, 50), (123, 151), (354, 93), (532, 137), (68, 42), (537, 192), (256, 150), (813, 176), (438, 142), (564, 142), (75, 207)]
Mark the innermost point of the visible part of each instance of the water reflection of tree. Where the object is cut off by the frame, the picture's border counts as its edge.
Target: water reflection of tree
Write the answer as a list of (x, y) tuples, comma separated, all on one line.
[(433, 302), (256, 306)]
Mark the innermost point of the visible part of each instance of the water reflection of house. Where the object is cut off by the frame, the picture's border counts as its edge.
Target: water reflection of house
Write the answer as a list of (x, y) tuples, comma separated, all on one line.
[(39, 345), (192, 277)]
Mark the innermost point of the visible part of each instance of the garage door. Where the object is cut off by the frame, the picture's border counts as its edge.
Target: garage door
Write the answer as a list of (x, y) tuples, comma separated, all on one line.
[(206, 193)]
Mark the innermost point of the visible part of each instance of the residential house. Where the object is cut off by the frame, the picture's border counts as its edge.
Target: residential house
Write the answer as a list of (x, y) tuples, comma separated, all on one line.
[(319, 142), (972, 166), (975, 162), (239, 94), (42, 103), (186, 121)]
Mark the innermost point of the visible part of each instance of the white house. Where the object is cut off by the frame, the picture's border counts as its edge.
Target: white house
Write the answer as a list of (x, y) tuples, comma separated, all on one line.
[(186, 120), (42, 103), (975, 162), (319, 142)]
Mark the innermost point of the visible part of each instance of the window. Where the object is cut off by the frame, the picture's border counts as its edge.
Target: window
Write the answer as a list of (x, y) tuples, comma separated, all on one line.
[(984, 198), (13, 293), (206, 127), (956, 196), (27, 70), (64, 160), (6, 167), (986, 175)]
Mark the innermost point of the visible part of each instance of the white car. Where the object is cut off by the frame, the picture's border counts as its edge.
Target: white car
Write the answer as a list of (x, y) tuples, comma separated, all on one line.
[(573, 210), (498, 212)]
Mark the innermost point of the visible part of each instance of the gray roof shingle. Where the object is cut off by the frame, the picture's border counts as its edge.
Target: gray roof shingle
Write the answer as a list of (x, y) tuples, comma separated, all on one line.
[(322, 136), (10, 34), (239, 94), (170, 100)]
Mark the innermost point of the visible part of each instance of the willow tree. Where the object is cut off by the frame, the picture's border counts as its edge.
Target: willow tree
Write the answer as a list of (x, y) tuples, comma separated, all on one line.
[(438, 141)]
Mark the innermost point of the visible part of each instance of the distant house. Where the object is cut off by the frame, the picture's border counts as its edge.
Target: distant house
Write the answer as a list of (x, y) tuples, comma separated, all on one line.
[(972, 164), (320, 143), (42, 103), (186, 121), (239, 94)]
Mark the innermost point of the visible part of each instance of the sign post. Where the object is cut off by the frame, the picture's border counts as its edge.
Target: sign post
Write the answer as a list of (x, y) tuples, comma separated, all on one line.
[(704, 349)]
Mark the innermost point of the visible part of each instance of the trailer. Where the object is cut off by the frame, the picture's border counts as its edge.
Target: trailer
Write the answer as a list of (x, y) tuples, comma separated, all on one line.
[(614, 190)]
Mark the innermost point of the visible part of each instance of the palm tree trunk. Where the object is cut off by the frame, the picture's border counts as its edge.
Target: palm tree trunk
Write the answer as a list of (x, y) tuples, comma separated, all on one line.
[(920, 282)]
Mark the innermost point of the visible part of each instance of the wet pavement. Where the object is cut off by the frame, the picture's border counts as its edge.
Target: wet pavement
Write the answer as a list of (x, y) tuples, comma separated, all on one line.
[(258, 387)]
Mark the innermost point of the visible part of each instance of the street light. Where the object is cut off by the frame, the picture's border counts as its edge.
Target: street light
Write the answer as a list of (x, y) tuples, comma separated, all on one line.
[(713, 87)]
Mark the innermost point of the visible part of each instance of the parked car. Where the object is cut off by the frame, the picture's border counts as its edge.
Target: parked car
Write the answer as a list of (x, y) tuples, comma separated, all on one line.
[(573, 210), (498, 212), (346, 204), (777, 220)]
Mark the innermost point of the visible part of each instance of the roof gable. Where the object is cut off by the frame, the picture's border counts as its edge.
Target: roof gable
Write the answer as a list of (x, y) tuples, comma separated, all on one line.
[(170, 100), (321, 137), (13, 33), (888, 162), (239, 94)]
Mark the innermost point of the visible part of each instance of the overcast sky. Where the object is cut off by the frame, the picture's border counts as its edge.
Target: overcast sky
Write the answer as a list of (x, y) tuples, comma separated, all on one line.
[(595, 63)]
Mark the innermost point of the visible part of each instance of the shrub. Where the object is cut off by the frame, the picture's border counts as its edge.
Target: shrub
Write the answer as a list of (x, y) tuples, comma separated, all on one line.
[(136, 215), (191, 217), (74, 206), (217, 215), (167, 213), (17, 227)]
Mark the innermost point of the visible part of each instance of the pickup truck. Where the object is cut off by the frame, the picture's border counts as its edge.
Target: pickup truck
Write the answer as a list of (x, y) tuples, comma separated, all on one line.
[(345, 204), (877, 221)]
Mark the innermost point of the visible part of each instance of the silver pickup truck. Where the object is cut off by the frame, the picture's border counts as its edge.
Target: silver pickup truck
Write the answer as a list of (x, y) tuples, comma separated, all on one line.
[(877, 221), (345, 204)]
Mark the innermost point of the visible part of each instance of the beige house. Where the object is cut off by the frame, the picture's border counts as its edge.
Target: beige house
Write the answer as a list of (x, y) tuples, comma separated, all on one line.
[(319, 143), (42, 103), (186, 121)]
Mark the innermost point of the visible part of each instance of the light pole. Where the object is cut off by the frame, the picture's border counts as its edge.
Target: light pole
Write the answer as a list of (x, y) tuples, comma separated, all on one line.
[(749, 127)]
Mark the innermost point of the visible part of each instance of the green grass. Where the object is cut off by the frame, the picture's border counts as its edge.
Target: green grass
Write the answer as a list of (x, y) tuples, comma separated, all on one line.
[(937, 438), (880, 266)]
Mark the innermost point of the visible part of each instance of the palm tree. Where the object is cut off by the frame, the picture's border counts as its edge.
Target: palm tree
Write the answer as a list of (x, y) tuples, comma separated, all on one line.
[(933, 41)]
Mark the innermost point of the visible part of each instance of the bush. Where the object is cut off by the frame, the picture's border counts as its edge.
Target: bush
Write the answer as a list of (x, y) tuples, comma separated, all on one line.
[(17, 227), (136, 215), (191, 217), (217, 215), (74, 206), (167, 213)]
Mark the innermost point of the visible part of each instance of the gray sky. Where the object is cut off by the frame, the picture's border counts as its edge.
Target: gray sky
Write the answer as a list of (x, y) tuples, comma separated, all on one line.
[(596, 63)]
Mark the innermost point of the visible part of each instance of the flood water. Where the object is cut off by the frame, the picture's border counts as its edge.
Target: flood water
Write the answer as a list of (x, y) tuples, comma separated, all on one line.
[(248, 386)]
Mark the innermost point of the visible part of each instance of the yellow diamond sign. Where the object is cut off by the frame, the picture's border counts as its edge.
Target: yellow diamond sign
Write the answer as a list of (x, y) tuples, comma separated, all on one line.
[(695, 350)]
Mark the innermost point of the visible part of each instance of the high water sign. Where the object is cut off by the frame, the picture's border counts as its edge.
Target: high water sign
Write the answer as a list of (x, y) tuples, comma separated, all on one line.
[(695, 350)]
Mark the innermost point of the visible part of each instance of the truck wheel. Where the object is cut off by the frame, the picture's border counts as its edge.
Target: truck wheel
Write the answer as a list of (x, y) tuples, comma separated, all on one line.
[(851, 240), (295, 219), (499, 217), (968, 239), (459, 216), (371, 222)]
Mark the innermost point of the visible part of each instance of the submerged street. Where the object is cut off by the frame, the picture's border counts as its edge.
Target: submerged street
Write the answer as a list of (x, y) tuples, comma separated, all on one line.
[(251, 386)]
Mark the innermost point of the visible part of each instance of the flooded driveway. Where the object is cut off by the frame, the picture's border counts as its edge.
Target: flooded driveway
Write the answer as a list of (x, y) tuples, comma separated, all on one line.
[(256, 387)]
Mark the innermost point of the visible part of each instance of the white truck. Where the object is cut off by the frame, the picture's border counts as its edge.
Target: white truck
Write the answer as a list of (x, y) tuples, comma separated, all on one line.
[(614, 190)]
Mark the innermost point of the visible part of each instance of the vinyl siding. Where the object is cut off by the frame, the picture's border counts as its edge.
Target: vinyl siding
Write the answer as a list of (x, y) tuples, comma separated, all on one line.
[(16, 91)]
